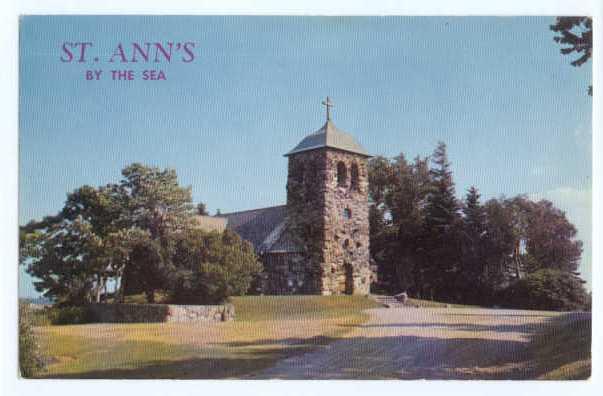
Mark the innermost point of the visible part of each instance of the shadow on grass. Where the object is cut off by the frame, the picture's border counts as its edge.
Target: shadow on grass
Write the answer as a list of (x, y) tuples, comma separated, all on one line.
[(236, 364), (563, 351), (194, 368), (407, 357), (565, 339)]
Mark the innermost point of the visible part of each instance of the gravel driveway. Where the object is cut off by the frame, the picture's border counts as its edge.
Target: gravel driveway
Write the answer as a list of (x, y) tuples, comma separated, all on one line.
[(434, 343)]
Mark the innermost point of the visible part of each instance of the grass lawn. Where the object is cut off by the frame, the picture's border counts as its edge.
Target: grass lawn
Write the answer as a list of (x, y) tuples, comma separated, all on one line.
[(563, 352), (266, 329)]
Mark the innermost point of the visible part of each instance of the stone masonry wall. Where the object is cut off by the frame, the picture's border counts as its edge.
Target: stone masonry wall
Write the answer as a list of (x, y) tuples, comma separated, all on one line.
[(305, 214), (347, 266), (336, 247), (149, 313)]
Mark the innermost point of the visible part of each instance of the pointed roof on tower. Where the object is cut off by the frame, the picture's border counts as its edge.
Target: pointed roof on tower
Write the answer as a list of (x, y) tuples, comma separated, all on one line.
[(329, 136)]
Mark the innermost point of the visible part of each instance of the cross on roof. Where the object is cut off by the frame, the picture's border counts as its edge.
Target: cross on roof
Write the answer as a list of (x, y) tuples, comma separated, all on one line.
[(328, 104)]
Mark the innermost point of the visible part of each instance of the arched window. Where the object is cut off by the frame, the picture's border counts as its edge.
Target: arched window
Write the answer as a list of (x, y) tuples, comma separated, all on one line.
[(299, 173), (342, 174), (347, 213), (354, 176)]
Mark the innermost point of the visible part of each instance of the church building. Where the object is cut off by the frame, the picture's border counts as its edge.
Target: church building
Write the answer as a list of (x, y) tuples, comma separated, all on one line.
[(318, 243)]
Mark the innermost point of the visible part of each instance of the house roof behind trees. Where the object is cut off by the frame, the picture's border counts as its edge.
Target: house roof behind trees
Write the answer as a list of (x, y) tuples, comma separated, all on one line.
[(265, 228)]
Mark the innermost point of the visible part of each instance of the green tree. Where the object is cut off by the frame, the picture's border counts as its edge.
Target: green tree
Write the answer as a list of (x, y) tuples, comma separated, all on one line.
[(155, 203), (550, 238), (499, 244), (397, 194), (382, 232), (547, 289), (212, 267), (412, 183), (441, 231), (120, 231), (473, 243), (425, 242), (154, 200), (66, 257), (576, 34), (523, 237)]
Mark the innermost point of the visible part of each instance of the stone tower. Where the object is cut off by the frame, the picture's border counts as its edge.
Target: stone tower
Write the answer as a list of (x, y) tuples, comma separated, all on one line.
[(327, 210)]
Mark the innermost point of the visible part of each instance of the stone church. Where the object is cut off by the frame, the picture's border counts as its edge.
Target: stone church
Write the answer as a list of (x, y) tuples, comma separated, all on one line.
[(318, 243)]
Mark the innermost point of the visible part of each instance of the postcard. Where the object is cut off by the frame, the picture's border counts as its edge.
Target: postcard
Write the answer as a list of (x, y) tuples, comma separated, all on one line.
[(305, 197)]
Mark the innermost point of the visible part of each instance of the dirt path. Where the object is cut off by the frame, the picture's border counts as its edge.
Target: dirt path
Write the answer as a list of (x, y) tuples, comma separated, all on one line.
[(435, 343)]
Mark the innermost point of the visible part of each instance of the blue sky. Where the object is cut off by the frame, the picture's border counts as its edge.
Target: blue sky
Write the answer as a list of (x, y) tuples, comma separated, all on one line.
[(514, 113)]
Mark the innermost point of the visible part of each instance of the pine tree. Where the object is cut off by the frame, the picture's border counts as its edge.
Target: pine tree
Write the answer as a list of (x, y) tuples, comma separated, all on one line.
[(441, 257), (471, 279)]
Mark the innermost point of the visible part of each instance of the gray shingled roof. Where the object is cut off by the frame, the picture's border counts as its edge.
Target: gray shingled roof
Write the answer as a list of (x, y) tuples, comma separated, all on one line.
[(283, 243), (262, 227), (329, 136)]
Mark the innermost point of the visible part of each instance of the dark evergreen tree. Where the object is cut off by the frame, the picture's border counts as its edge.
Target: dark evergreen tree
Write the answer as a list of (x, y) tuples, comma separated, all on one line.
[(499, 244), (412, 182), (440, 233), (425, 242), (473, 263)]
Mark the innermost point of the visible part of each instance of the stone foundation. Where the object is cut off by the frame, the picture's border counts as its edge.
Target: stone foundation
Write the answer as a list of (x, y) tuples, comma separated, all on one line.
[(151, 313)]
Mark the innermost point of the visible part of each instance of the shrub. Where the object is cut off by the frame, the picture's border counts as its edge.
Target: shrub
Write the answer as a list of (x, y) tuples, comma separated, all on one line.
[(547, 289), (68, 315), (30, 357), (213, 267)]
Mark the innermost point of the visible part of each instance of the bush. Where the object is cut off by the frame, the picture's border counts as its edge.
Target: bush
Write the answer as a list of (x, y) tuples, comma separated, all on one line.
[(213, 267), (547, 290), (30, 357), (68, 315)]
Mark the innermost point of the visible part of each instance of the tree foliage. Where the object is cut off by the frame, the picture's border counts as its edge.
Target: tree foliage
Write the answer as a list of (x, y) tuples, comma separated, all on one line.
[(576, 35), (398, 190), (547, 289), (213, 267), (474, 243), (441, 242), (124, 233), (427, 242)]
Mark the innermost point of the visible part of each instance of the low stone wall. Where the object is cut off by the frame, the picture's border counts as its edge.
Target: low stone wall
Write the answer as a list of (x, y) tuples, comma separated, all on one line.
[(149, 313)]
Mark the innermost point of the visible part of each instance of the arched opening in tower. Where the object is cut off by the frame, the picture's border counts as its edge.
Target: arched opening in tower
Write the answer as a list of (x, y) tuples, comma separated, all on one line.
[(349, 278), (342, 174), (354, 176)]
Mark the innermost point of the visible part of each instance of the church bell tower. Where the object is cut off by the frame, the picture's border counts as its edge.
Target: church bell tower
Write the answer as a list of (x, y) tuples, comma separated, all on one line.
[(327, 209)]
